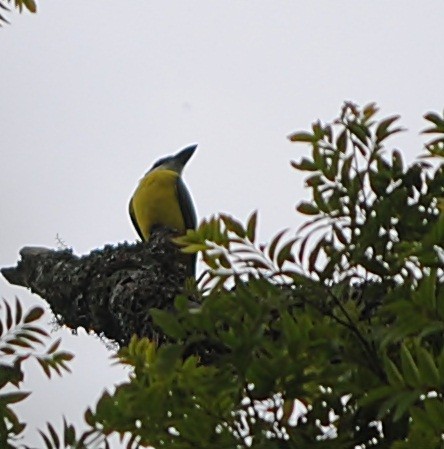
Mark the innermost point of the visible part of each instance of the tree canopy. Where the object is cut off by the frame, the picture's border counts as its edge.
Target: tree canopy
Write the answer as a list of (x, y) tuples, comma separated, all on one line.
[(331, 338)]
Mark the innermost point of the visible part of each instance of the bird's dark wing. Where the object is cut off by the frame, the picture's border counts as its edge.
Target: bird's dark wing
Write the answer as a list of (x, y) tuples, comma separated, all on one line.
[(186, 204), (189, 218), (133, 219)]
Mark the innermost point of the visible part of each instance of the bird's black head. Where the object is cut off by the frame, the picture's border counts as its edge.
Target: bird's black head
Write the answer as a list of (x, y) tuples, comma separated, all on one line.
[(161, 161), (177, 161)]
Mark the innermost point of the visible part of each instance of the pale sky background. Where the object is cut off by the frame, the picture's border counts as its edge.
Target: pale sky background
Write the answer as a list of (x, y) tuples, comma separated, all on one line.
[(92, 92)]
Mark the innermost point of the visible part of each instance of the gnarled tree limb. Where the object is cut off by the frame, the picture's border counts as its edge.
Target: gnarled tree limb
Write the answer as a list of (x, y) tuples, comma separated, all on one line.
[(109, 291)]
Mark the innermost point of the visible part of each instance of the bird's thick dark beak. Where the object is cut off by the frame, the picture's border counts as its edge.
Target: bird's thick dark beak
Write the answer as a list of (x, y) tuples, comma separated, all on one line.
[(184, 155)]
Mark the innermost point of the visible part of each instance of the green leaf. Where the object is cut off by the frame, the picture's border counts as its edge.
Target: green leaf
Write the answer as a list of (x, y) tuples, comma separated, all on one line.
[(374, 266), (168, 323), (394, 376), (13, 398), (404, 402), (314, 254), (428, 370), (426, 291), (345, 171), (304, 165), (53, 348), (35, 330), (302, 137), (315, 180), (255, 262), (7, 350), (375, 395), (19, 342), (435, 119), (251, 227), (285, 253), (333, 170), (318, 130), (420, 417), (397, 163), (369, 111), (382, 131), (33, 315), (341, 141), (8, 315), (274, 243), (340, 235), (30, 5), (89, 417), (195, 248), (54, 436), (379, 181), (320, 200), (69, 434), (307, 208), (46, 440), (209, 260), (18, 311), (360, 131), (433, 327), (434, 408), (167, 358), (409, 369), (29, 336), (64, 356), (233, 225), (435, 142)]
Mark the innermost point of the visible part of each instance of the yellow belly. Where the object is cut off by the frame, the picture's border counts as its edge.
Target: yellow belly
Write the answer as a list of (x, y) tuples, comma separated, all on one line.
[(155, 202)]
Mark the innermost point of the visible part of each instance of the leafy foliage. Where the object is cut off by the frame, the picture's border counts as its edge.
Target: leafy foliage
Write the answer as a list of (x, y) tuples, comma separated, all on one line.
[(374, 214), (20, 335), (29, 5), (333, 338), (374, 273), (89, 439)]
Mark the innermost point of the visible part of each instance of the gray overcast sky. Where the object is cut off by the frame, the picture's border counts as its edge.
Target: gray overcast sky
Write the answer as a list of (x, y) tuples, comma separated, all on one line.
[(93, 91)]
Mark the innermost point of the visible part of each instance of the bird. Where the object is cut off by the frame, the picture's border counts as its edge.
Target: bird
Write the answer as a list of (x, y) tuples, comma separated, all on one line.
[(163, 199)]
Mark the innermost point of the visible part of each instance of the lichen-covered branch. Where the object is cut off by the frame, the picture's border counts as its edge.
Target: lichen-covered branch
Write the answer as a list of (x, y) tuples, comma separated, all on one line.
[(109, 291)]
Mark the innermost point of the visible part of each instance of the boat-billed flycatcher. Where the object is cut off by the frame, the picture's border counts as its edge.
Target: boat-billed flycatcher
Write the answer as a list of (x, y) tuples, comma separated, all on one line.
[(162, 199)]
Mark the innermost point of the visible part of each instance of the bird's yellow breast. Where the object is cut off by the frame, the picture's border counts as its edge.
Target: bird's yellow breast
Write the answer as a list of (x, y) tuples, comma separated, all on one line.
[(155, 202)]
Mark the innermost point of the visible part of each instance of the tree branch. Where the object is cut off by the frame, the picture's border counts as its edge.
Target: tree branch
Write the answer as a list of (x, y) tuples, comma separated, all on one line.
[(109, 291)]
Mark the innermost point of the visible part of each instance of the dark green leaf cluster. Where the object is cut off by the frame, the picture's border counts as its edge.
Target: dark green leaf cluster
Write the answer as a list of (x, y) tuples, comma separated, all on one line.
[(371, 284), (368, 210), (19, 338), (231, 249), (166, 396), (259, 340), (70, 439)]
